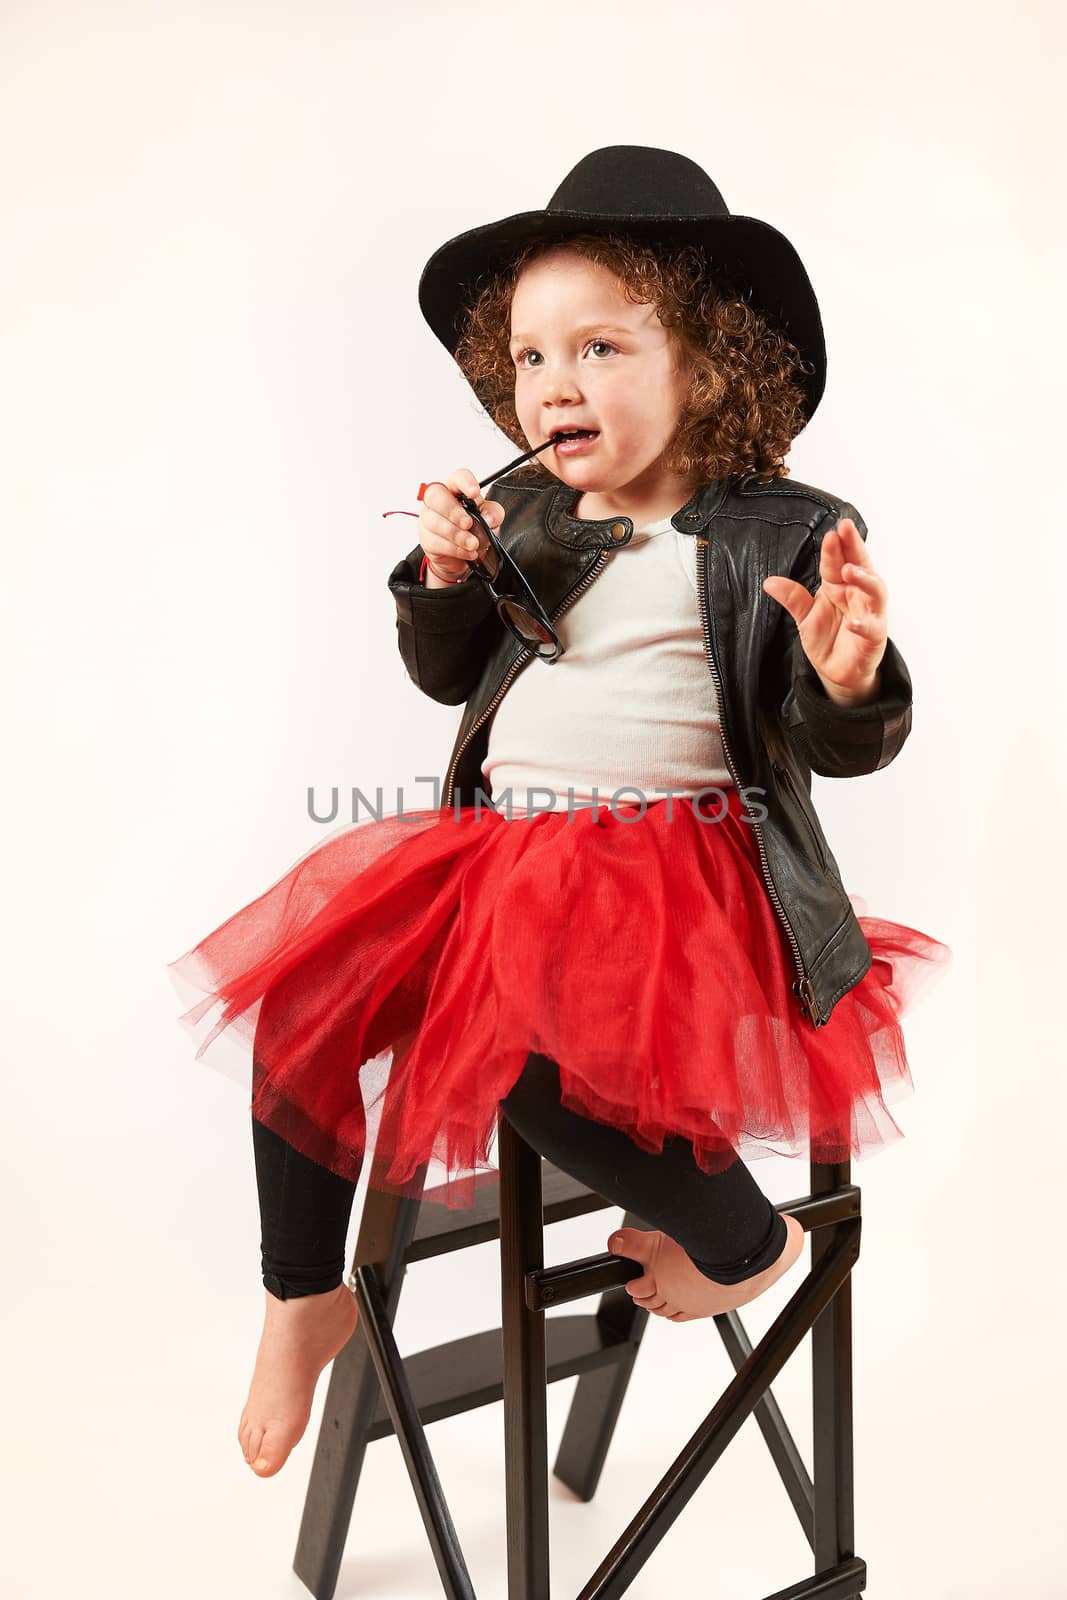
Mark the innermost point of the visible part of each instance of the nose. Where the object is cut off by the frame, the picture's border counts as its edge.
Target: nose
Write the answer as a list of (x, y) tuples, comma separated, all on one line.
[(560, 389)]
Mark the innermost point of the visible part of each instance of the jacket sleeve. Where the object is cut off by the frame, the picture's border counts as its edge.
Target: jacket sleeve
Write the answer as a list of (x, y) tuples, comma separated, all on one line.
[(842, 741), (445, 635)]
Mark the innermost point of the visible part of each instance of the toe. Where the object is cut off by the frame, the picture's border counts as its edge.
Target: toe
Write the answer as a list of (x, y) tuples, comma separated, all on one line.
[(270, 1456), (634, 1243), (645, 1293)]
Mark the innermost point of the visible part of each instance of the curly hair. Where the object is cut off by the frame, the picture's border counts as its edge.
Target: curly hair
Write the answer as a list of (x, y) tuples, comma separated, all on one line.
[(745, 403)]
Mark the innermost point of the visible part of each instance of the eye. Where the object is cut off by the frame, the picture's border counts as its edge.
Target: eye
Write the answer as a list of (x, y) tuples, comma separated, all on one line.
[(527, 351)]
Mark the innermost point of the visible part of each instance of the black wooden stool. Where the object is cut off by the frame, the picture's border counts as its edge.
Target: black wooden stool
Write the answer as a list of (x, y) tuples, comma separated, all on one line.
[(374, 1391)]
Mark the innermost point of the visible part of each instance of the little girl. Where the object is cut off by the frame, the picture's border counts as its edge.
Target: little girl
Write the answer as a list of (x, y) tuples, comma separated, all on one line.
[(654, 967)]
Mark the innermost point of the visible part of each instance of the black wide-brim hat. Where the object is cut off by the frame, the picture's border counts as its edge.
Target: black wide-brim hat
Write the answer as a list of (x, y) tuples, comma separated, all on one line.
[(651, 196)]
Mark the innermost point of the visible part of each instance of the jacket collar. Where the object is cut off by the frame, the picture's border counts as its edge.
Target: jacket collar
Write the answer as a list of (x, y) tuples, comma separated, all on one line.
[(580, 533)]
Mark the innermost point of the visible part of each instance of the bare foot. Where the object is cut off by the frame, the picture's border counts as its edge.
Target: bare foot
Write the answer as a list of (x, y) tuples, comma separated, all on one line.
[(299, 1337), (672, 1287)]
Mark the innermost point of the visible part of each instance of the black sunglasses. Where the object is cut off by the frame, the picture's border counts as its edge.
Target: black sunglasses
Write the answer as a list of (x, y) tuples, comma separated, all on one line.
[(517, 605)]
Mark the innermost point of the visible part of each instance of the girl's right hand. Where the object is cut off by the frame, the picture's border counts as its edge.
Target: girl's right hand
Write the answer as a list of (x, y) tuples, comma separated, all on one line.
[(447, 535)]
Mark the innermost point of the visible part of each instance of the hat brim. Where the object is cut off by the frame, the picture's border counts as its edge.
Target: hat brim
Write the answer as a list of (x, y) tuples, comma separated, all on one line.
[(754, 255)]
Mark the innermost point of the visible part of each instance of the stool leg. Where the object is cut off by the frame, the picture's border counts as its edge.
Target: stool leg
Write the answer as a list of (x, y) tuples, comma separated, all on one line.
[(831, 1373), (386, 1229), (525, 1370), (599, 1394)]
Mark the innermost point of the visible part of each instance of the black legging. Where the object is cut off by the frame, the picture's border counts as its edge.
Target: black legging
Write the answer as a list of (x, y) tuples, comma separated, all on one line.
[(724, 1222)]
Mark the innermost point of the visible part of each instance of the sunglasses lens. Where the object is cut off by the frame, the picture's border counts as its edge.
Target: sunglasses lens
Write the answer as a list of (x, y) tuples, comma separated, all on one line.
[(528, 628), (491, 562), (504, 574)]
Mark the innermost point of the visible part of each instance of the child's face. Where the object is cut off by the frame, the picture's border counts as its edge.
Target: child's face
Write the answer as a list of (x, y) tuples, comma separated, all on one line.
[(586, 356)]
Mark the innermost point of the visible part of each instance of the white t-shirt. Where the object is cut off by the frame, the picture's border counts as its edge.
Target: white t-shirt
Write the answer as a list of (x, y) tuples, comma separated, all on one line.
[(631, 704)]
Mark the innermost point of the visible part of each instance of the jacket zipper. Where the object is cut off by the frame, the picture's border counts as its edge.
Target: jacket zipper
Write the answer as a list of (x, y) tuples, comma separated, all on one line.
[(802, 985), (520, 661)]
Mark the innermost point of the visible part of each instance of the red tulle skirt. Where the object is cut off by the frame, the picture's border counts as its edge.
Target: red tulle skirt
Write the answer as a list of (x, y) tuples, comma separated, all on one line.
[(392, 984)]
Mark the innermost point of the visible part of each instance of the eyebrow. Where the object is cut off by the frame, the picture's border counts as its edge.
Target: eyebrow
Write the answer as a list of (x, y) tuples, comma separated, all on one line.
[(589, 327)]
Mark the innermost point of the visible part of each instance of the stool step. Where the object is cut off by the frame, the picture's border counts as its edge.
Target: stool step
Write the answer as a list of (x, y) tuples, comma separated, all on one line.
[(469, 1372), (440, 1230)]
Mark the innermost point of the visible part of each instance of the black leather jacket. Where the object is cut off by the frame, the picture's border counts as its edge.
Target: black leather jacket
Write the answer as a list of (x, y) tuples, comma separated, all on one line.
[(778, 724)]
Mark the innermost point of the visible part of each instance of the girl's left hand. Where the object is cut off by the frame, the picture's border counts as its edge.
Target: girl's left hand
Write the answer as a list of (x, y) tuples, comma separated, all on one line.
[(843, 626)]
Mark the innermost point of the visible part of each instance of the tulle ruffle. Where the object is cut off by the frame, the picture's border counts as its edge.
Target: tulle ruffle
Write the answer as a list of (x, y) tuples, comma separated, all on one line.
[(387, 990)]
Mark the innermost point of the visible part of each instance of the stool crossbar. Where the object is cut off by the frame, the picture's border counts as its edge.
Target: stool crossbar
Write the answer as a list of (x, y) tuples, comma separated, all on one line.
[(374, 1391)]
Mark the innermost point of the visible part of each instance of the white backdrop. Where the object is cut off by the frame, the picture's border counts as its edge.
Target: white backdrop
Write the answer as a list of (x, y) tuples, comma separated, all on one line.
[(214, 377)]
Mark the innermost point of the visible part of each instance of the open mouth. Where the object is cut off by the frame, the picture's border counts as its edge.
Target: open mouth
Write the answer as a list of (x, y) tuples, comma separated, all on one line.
[(574, 441)]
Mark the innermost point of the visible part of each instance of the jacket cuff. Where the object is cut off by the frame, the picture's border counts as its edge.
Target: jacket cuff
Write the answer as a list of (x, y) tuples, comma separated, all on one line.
[(458, 607), (875, 728)]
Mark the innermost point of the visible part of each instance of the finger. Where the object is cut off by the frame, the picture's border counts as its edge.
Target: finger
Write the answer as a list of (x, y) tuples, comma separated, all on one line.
[(457, 527), (466, 483), (446, 558), (454, 524), (870, 628), (446, 545), (444, 516), (831, 556), (864, 602), (447, 549), (867, 579), (852, 546), (795, 598), (853, 588), (441, 498)]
